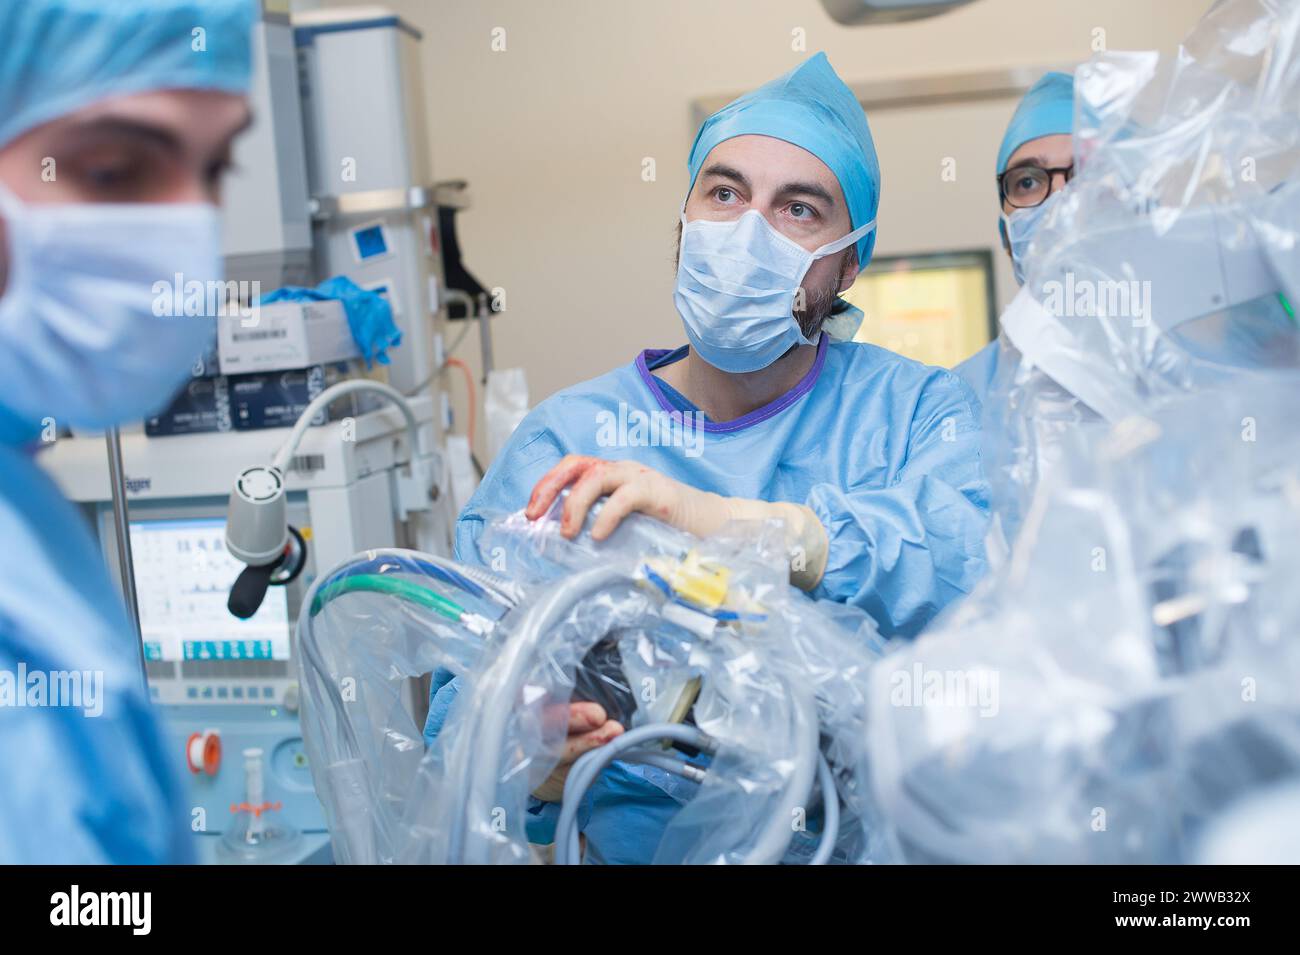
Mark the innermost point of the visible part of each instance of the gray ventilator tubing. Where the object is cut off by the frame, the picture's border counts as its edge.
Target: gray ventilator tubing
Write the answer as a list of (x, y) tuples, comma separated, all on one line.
[(771, 845), (503, 679), (590, 765)]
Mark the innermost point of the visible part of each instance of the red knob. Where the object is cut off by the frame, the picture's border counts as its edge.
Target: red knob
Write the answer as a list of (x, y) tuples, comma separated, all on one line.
[(203, 752)]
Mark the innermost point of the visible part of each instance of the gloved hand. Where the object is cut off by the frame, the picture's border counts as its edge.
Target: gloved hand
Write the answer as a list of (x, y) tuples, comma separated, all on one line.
[(634, 487), (588, 729)]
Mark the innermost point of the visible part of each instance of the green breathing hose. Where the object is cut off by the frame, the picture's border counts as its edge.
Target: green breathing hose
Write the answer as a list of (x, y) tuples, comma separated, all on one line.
[(377, 583)]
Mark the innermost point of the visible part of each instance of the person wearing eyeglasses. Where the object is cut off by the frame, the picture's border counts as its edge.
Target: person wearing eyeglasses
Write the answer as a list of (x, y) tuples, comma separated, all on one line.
[(1035, 161)]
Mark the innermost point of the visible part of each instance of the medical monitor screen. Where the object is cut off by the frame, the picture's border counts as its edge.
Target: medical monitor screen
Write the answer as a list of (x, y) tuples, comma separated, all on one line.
[(935, 308), (183, 576)]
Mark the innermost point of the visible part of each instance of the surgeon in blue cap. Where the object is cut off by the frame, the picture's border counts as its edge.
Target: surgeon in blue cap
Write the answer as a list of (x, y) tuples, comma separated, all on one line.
[(1035, 161), (869, 459), (116, 124)]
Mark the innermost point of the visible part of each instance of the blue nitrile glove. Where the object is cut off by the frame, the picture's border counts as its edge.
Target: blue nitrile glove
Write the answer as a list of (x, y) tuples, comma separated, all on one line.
[(369, 315)]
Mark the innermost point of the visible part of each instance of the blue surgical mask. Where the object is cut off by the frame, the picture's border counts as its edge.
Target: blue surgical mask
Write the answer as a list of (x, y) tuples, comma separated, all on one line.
[(1019, 228), (737, 281), (86, 315)]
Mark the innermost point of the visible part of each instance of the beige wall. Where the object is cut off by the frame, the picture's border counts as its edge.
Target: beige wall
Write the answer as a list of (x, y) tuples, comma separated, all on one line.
[(552, 132)]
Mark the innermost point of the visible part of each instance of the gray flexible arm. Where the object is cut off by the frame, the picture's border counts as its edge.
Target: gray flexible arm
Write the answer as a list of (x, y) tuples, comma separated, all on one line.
[(669, 764), (498, 690), (831, 817), (590, 765)]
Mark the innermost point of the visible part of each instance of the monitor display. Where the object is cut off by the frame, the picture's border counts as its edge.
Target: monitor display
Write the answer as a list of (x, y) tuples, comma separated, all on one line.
[(936, 308), (183, 576)]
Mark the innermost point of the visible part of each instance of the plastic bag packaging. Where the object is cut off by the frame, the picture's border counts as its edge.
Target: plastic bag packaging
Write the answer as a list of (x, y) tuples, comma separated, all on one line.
[(460, 468), (828, 644), (1263, 829), (1170, 265), (504, 406), (653, 624), (1131, 672), (361, 738)]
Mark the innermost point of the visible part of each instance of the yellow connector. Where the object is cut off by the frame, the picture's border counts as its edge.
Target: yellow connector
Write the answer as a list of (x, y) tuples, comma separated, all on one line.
[(703, 585)]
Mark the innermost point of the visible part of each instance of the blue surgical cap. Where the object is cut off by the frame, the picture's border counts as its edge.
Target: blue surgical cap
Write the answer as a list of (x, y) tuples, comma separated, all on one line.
[(1046, 110), (811, 108), (57, 56)]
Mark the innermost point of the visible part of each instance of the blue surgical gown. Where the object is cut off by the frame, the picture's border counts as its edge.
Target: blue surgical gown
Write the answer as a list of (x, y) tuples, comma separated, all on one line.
[(978, 370), (77, 786), (883, 449)]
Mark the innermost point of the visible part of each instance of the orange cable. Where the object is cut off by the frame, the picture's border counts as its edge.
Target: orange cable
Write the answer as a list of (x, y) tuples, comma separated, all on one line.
[(473, 402)]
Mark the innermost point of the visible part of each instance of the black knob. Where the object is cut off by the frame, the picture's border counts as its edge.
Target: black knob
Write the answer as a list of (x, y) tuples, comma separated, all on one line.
[(250, 590)]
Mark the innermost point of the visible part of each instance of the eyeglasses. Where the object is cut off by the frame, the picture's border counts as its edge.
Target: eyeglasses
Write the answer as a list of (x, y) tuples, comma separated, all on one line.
[(1027, 186)]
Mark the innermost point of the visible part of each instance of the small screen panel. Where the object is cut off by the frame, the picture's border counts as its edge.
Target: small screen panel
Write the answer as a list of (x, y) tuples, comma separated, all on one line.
[(183, 577), (936, 308)]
